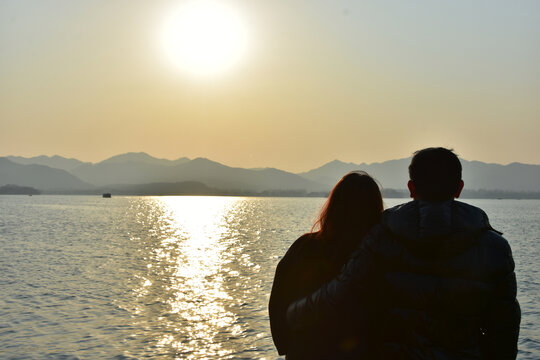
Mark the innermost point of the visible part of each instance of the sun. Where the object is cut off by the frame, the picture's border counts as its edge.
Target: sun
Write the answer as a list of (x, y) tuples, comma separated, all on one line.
[(204, 37)]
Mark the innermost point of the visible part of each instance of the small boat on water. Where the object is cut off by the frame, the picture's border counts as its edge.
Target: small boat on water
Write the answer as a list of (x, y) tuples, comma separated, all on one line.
[(107, 195)]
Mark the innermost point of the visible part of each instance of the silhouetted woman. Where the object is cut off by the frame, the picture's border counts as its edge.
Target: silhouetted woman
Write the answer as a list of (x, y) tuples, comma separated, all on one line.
[(353, 207)]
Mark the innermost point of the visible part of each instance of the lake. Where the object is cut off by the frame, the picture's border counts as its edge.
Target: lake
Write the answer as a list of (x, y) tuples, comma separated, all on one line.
[(85, 277)]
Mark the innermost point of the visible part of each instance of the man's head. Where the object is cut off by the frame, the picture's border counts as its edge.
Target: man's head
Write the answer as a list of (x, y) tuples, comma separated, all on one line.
[(435, 175)]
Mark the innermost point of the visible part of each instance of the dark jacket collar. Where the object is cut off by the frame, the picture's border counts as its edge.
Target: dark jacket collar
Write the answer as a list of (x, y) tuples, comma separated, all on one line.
[(422, 219)]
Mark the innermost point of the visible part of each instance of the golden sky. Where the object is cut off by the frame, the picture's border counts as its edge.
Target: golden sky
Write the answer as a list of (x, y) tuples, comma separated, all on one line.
[(360, 81)]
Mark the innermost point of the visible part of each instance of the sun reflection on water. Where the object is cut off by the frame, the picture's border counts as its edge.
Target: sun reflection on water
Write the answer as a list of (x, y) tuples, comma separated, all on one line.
[(190, 257)]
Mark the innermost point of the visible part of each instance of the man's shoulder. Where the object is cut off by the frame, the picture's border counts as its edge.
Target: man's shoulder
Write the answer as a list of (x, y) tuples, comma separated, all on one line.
[(496, 239), (499, 248), (469, 216), (473, 217)]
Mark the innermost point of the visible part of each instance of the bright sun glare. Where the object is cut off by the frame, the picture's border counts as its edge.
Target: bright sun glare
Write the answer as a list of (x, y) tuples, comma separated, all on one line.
[(204, 37)]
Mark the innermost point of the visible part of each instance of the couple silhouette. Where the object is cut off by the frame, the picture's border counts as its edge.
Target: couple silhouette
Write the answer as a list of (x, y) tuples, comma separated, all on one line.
[(428, 279)]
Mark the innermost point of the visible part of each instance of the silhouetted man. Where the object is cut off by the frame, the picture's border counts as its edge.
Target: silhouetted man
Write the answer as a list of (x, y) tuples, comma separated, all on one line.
[(432, 281)]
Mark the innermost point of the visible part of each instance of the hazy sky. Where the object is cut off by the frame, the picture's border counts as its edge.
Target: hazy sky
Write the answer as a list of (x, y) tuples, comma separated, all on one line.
[(360, 81)]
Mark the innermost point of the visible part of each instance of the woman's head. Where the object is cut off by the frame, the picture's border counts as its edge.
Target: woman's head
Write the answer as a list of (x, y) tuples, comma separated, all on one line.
[(354, 205)]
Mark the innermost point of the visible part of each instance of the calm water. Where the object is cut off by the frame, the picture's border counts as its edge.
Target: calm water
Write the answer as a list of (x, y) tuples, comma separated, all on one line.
[(176, 277)]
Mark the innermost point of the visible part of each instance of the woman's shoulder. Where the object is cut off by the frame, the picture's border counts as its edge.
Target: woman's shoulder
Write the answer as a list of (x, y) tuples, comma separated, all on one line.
[(307, 238), (301, 247), (303, 244)]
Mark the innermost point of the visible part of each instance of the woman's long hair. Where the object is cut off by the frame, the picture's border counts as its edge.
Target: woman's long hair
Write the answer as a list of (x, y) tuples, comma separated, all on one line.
[(353, 207)]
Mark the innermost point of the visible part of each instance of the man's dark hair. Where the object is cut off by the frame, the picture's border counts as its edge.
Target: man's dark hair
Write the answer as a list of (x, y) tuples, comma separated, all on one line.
[(436, 173)]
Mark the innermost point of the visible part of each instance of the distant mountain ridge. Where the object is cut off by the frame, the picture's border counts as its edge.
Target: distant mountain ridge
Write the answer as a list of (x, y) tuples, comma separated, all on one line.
[(477, 175), (142, 157), (140, 168), (136, 169), (390, 174), (125, 170)]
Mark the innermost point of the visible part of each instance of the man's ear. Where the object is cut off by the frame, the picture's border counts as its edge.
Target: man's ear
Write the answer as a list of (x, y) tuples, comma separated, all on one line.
[(412, 189), (460, 187)]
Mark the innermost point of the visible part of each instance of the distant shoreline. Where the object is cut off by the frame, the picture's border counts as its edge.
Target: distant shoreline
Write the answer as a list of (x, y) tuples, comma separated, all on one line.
[(394, 194)]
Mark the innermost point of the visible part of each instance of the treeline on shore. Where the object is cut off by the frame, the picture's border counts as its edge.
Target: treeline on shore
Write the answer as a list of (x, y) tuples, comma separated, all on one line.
[(499, 194), (18, 190), (194, 188)]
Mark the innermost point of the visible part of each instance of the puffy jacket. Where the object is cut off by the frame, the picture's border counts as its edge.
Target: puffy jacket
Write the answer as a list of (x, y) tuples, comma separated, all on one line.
[(431, 281)]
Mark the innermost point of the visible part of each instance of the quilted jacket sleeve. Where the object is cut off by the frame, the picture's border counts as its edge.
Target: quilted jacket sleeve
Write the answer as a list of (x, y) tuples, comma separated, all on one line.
[(504, 315), (342, 296)]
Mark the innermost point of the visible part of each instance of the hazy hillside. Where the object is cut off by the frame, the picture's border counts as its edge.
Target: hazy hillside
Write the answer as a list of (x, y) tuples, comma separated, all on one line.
[(217, 175), (38, 176), (141, 168), (129, 172), (130, 168), (57, 162), (143, 158), (511, 177)]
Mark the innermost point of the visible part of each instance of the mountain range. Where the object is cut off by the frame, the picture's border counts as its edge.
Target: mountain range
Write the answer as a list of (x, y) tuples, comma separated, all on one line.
[(39, 176), (140, 173)]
